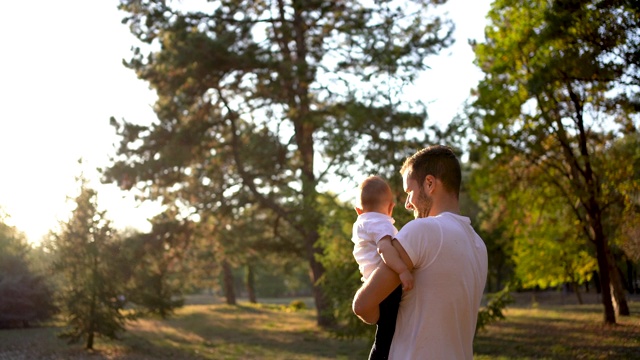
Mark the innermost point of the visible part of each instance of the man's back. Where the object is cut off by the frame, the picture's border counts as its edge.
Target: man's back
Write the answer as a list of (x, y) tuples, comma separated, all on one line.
[(437, 318)]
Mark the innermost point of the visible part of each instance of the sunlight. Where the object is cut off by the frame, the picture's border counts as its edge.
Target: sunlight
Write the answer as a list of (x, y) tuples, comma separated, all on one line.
[(61, 86)]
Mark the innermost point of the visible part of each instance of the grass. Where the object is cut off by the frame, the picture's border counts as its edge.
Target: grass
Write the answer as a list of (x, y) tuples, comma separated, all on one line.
[(247, 332), (560, 332), (274, 331)]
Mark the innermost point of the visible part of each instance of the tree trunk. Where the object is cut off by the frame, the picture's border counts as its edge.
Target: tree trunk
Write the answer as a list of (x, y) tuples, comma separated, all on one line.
[(617, 290), (630, 286), (589, 190), (250, 283), (576, 289), (305, 126), (227, 279), (324, 315), (90, 340), (603, 266), (94, 301), (596, 282), (633, 280)]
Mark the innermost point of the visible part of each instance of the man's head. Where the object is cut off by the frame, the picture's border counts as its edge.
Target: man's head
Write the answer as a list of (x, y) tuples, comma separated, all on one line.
[(429, 175), (375, 195)]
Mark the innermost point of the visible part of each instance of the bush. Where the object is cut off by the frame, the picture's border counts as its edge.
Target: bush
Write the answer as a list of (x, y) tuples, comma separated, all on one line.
[(24, 297), (297, 305), (493, 310)]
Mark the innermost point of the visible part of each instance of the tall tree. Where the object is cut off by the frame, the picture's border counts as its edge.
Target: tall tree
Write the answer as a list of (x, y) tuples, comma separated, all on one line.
[(92, 288), (268, 98), (560, 86)]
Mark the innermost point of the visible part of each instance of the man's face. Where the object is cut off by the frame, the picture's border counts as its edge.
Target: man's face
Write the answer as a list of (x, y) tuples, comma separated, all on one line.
[(417, 200)]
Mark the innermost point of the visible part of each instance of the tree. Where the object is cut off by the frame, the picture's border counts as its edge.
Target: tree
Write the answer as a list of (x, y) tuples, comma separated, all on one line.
[(150, 264), (85, 249), (558, 90), (263, 101)]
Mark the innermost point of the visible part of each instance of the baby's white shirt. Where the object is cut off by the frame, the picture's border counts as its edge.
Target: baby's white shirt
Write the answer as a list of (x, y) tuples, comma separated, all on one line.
[(368, 229)]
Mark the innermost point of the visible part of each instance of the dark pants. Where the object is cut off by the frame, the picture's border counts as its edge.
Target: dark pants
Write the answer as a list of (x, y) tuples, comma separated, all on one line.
[(386, 325)]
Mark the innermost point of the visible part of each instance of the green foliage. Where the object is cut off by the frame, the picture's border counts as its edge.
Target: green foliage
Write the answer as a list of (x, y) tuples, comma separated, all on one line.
[(547, 248), (622, 164), (91, 295), (493, 310), (276, 276), (297, 305), (559, 90), (342, 278), (150, 264)]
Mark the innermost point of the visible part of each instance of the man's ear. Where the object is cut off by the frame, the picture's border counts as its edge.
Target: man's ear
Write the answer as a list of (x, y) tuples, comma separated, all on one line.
[(429, 184), (359, 211)]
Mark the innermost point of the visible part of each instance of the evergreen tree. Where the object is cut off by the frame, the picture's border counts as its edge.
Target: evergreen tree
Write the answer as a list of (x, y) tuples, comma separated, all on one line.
[(86, 253)]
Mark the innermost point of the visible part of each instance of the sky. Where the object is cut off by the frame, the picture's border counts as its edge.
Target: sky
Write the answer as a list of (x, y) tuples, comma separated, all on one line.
[(62, 78)]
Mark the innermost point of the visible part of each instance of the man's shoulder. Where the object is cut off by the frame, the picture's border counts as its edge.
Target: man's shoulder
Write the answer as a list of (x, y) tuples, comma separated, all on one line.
[(433, 223), (420, 224)]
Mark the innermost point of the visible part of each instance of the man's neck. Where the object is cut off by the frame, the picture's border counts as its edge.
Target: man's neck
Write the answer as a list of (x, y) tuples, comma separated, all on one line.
[(445, 204)]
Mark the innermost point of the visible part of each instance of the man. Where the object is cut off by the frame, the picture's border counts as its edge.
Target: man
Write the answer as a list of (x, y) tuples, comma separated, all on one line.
[(437, 319)]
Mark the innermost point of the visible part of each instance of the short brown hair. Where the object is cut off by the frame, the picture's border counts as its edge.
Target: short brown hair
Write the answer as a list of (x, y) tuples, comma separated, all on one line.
[(374, 192), (438, 161)]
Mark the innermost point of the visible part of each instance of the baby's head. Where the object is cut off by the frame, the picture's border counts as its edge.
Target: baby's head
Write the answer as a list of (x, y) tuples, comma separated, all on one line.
[(375, 196)]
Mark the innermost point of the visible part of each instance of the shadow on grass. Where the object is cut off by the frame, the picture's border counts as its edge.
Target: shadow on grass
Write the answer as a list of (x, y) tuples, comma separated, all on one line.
[(560, 332), (43, 343), (250, 332)]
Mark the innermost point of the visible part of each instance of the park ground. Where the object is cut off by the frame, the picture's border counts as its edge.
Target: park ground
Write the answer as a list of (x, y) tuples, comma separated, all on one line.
[(544, 325)]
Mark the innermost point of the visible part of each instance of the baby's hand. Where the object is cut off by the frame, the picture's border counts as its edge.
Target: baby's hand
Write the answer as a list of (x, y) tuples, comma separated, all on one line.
[(407, 280)]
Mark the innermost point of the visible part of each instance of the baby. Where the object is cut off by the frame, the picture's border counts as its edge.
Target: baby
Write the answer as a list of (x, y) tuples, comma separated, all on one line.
[(373, 232)]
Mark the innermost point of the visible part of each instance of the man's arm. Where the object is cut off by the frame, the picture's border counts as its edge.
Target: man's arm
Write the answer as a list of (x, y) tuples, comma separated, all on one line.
[(366, 302), (391, 256), (381, 282)]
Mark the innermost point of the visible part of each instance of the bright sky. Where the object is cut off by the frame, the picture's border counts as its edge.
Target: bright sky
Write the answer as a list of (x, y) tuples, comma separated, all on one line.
[(62, 78)]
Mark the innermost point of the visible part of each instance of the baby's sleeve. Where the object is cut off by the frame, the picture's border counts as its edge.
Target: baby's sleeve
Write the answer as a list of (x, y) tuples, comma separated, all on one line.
[(382, 229)]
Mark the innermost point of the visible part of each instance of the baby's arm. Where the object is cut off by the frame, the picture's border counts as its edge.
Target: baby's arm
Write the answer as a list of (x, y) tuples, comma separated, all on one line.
[(391, 257)]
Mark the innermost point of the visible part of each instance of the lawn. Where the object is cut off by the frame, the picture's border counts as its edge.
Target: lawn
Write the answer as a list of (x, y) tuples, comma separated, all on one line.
[(560, 332), (274, 331)]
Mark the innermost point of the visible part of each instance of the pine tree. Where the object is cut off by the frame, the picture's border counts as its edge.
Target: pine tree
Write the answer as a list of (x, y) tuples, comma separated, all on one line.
[(91, 297)]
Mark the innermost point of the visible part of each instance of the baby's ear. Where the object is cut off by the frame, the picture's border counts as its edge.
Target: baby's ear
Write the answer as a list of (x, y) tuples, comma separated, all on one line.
[(359, 210)]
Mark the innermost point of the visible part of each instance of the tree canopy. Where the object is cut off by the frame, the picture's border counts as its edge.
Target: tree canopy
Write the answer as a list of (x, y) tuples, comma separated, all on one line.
[(263, 102), (560, 88)]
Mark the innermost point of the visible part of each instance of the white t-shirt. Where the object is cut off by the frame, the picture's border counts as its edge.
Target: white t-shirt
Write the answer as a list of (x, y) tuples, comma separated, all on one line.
[(368, 229), (437, 319)]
